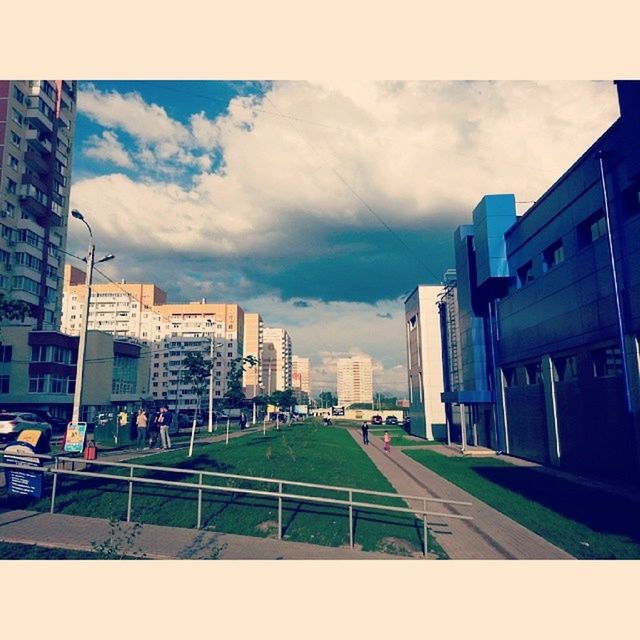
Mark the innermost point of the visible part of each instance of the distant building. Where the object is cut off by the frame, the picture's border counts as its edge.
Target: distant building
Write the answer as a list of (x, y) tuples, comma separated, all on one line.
[(277, 359), (140, 313), (37, 119), (548, 313), (253, 341), (424, 363), (355, 380), (300, 378)]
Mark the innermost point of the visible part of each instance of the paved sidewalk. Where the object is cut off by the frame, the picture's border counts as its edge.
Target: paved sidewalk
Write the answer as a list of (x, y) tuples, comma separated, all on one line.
[(157, 542), (490, 535)]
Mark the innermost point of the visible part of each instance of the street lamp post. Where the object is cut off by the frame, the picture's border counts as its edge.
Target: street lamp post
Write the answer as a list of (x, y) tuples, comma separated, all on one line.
[(77, 396)]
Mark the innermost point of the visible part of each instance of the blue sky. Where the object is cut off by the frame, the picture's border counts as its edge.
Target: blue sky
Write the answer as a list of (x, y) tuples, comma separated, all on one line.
[(317, 204)]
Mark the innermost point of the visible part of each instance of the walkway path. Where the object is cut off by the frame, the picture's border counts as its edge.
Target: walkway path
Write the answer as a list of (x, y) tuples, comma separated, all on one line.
[(156, 542), (490, 535)]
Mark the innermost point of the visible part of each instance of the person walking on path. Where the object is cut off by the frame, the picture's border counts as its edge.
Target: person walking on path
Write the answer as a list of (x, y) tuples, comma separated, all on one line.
[(165, 422), (365, 433), (243, 421), (387, 442), (142, 429)]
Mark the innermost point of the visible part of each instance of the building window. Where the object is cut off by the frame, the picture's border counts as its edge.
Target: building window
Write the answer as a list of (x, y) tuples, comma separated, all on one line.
[(13, 162), (510, 377), (11, 185), (534, 373), (37, 384), (18, 95), (6, 351), (607, 362), (525, 274), (564, 369), (594, 227), (15, 139), (4, 384), (553, 255)]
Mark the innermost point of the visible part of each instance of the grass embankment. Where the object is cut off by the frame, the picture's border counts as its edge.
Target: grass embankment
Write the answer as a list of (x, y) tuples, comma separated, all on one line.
[(587, 522), (306, 453), (15, 551)]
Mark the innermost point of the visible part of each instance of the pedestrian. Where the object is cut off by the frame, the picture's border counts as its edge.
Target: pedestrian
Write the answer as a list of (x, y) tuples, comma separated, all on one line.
[(154, 431), (141, 423), (387, 442), (165, 422), (243, 421), (365, 433)]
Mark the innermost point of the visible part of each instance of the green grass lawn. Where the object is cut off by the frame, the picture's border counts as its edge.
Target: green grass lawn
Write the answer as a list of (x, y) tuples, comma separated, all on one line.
[(14, 551), (309, 453), (586, 522)]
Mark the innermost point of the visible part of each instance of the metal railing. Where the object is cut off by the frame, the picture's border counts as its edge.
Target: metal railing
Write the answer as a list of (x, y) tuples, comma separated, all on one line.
[(57, 469)]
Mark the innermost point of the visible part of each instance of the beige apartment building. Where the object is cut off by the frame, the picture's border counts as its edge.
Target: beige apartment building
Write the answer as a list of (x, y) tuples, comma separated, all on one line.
[(355, 380), (140, 313), (276, 374), (37, 119), (300, 374), (253, 340)]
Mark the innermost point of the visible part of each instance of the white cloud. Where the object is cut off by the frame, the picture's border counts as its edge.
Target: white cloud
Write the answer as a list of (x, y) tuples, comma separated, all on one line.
[(108, 148), (412, 151), (129, 112)]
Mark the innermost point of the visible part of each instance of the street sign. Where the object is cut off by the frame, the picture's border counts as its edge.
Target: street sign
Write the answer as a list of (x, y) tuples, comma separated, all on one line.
[(23, 483), (74, 439)]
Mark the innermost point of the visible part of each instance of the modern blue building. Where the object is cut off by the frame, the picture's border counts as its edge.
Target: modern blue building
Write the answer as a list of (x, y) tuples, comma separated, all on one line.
[(547, 314)]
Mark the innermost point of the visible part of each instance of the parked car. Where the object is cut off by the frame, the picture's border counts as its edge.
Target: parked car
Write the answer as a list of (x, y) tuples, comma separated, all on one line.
[(391, 420), (376, 419), (58, 425), (11, 424)]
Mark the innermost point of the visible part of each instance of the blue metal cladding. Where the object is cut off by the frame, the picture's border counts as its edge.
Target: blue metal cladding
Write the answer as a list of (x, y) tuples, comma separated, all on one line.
[(493, 215)]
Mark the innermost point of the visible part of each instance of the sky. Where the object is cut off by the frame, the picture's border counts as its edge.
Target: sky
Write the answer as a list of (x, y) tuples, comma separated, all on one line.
[(318, 204)]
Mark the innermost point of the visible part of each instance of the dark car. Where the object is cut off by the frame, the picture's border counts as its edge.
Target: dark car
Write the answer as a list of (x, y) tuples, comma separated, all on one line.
[(391, 420), (11, 424), (376, 419), (59, 425)]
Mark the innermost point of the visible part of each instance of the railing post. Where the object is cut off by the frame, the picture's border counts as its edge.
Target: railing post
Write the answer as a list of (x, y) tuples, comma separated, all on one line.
[(130, 495), (200, 504), (424, 520), (351, 518), (279, 510), (55, 484)]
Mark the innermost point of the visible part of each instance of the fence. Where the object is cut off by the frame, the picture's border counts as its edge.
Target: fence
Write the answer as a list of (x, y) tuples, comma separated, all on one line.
[(65, 466)]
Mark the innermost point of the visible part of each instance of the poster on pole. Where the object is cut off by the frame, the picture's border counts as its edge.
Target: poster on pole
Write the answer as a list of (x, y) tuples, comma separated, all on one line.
[(74, 438)]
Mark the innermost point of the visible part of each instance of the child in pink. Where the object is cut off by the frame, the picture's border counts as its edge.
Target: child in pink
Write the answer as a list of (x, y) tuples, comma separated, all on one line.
[(387, 442)]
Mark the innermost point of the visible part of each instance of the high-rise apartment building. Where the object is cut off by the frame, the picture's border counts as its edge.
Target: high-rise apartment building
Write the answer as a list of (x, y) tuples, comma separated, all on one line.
[(355, 380), (252, 377), (300, 374), (171, 331), (276, 373), (37, 120)]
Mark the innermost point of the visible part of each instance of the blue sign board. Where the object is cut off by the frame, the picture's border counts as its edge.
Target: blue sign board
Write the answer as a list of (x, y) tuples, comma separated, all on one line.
[(23, 483)]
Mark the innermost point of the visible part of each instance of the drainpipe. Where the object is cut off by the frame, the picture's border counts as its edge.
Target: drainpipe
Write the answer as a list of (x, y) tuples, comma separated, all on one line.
[(616, 291)]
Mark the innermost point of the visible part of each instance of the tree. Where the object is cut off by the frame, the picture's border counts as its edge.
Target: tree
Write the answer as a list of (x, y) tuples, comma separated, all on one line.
[(327, 399), (13, 309), (283, 398), (234, 395), (196, 375)]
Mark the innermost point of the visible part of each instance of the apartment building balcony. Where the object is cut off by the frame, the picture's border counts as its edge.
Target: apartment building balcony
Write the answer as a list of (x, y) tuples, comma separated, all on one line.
[(34, 160), (37, 118), (38, 140), (30, 204)]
